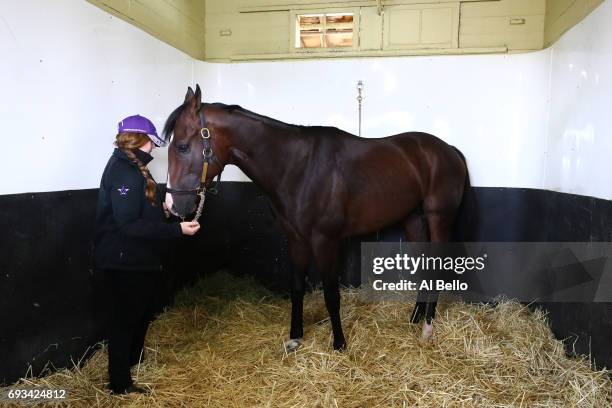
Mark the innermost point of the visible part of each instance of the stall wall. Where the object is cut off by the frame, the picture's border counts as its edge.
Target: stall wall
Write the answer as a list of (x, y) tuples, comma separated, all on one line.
[(488, 106), (579, 141), (68, 73), (520, 106)]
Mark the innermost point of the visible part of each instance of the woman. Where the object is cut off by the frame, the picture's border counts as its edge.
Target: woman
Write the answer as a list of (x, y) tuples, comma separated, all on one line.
[(130, 234)]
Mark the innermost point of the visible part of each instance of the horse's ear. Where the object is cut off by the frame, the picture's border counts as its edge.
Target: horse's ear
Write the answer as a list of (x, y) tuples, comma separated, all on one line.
[(198, 96), (189, 95)]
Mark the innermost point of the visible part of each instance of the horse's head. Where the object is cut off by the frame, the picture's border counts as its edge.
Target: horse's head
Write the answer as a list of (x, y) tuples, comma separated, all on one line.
[(191, 145)]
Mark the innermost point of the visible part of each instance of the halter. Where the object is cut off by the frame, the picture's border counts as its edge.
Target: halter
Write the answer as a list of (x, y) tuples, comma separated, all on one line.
[(209, 156)]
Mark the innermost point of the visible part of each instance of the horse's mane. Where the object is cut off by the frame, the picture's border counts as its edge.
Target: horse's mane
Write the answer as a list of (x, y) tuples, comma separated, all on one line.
[(171, 121), (256, 116)]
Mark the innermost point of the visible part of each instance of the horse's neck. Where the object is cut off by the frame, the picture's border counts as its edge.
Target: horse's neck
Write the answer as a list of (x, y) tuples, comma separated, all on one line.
[(253, 169), (256, 150)]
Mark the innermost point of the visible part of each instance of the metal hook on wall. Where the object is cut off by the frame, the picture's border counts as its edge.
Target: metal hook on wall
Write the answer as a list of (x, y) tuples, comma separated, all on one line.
[(360, 86)]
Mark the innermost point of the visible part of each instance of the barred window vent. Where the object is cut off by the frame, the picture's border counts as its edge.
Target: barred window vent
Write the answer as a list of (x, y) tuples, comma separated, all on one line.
[(333, 30)]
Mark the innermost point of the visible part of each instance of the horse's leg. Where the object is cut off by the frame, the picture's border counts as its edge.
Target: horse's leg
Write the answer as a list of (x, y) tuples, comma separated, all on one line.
[(325, 252), (416, 231), (300, 258), (440, 229)]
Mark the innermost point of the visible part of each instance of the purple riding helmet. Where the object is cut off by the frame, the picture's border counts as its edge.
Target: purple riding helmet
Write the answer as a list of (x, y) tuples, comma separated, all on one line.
[(140, 124)]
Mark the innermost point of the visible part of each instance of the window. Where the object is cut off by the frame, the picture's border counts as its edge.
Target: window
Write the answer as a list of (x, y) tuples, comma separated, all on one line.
[(330, 30)]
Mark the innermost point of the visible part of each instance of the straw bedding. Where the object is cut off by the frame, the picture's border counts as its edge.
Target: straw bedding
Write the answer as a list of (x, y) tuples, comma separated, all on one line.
[(220, 345)]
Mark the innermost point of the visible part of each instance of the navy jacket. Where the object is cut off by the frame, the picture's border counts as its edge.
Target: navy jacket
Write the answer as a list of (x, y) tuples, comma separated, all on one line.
[(130, 233)]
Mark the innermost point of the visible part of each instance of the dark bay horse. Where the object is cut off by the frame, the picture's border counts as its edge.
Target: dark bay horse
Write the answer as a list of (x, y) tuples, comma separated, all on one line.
[(324, 184)]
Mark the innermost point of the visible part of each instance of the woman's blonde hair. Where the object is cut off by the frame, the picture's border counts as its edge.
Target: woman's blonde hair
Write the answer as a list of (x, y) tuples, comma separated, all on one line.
[(128, 142)]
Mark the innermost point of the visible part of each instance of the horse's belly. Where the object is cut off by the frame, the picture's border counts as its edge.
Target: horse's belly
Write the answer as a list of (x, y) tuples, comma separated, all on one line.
[(369, 215)]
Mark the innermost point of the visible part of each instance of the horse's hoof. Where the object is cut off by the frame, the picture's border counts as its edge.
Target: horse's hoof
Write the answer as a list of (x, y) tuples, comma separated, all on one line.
[(427, 332), (340, 345), (292, 345)]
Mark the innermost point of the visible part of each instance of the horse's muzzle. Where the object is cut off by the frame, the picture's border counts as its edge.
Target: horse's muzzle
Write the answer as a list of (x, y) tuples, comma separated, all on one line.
[(181, 205)]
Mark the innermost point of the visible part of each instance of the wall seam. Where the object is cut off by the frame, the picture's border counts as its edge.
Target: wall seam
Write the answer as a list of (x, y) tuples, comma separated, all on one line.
[(547, 120)]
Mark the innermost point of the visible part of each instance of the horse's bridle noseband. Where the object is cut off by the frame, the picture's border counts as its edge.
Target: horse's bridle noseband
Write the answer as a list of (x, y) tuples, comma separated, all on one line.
[(209, 156)]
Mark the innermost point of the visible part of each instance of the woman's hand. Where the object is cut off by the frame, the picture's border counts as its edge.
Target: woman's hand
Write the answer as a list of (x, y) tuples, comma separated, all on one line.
[(166, 211), (190, 227)]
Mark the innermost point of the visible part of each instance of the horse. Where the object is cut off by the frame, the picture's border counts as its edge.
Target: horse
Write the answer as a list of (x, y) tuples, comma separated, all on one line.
[(324, 185)]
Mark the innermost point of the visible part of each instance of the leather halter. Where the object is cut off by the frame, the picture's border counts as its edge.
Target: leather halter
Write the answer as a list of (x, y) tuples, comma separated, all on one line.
[(209, 156)]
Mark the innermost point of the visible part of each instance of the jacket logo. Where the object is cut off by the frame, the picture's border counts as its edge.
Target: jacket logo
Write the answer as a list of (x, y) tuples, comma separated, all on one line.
[(123, 190)]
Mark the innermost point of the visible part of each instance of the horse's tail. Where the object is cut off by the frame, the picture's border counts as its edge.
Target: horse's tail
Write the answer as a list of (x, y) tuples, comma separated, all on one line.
[(466, 225)]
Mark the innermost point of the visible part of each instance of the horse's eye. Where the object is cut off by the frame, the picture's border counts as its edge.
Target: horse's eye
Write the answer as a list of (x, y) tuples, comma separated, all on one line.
[(183, 148)]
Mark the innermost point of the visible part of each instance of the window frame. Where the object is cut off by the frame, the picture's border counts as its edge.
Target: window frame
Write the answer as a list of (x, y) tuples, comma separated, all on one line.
[(294, 13)]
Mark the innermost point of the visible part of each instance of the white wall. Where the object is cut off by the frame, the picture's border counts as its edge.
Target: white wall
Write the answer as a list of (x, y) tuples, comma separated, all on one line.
[(68, 73), (492, 107), (579, 156)]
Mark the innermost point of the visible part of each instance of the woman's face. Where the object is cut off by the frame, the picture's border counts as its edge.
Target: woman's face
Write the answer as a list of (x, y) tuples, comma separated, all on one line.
[(147, 147)]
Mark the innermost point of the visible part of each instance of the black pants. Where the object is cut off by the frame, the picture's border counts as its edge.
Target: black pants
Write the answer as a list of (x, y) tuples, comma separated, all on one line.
[(133, 307)]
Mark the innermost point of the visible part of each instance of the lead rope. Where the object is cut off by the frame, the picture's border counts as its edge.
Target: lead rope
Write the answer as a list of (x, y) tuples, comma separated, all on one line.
[(202, 195), (198, 214)]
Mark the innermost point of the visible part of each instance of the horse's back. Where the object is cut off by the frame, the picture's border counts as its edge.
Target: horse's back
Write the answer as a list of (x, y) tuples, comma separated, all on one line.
[(411, 159), (384, 179), (410, 153), (345, 143)]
